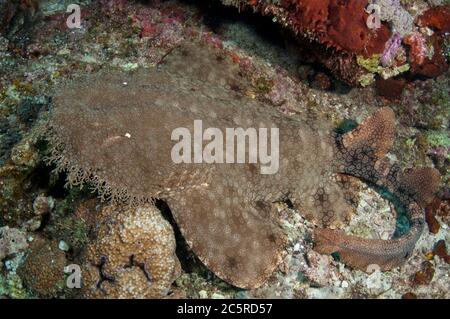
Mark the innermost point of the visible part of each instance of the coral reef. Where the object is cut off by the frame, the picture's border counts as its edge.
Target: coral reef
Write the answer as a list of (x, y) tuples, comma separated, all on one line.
[(339, 28), (132, 255), (343, 31), (340, 25), (288, 72)]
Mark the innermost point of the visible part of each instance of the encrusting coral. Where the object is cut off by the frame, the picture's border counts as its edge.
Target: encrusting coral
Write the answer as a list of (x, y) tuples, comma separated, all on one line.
[(338, 30), (132, 256), (43, 268), (392, 11), (114, 130), (338, 24), (12, 241), (343, 31)]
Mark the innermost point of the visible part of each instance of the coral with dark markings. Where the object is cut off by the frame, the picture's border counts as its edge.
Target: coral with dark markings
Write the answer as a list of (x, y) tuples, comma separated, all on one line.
[(114, 130), (132, 256)]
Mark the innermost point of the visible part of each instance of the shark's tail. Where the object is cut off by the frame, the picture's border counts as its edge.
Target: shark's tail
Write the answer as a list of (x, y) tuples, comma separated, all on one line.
[(361, 153)]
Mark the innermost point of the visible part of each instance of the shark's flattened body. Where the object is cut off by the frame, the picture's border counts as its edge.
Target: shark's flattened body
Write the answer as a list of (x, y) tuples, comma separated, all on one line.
[(115, 130)]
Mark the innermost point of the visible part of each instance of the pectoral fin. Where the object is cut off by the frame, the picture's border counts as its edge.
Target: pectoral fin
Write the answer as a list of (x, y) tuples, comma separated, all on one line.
[(236, 239)]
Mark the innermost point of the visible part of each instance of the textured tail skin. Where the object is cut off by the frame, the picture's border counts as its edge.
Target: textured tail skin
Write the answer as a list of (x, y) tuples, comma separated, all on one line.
[(361, 153)]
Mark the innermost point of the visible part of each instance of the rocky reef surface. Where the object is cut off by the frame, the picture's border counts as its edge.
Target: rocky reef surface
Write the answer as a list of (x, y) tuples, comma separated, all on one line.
[(43, 223)]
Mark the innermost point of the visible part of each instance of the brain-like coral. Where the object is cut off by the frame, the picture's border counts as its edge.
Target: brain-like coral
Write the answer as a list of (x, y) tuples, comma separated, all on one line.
[(133, 255), (43, 269)]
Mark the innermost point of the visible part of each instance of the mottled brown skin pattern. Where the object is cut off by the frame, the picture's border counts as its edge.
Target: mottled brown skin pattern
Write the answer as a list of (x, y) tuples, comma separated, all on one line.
[(223, 210)]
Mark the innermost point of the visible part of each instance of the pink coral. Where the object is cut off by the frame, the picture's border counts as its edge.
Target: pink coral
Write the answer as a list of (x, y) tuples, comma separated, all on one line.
[(418, 48), (391, 49)]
